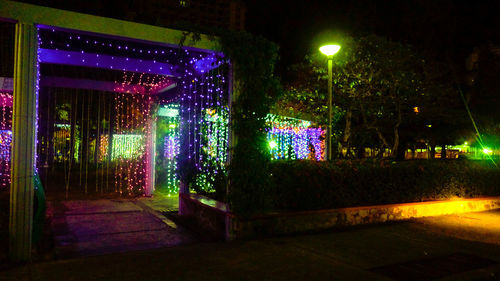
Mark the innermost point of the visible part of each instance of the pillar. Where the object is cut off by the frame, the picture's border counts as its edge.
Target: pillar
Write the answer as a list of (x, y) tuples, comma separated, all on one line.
[(23, 142), (150, 155)]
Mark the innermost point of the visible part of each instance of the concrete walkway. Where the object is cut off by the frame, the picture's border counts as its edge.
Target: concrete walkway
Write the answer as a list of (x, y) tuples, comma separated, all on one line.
[(482, 226), (89, 227), (415, 250)]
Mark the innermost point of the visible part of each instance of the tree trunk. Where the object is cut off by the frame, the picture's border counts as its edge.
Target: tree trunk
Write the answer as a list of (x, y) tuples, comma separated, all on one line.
[(347, 130), (395, 146), (401, 153), (432, 151), (382, 138), (380, 152), (395, 153), (360, 152)]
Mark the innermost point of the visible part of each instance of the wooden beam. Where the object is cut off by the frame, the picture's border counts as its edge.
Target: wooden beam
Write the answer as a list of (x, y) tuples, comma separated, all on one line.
[(28, 13), (106, 62), (106, 86)]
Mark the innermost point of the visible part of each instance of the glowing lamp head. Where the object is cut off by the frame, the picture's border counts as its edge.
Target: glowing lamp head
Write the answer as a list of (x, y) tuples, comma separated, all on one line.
[(329, 50), (487, 151), (272, 144)]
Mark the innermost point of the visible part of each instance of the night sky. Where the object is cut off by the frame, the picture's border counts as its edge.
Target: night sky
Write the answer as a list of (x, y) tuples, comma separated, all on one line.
[(444, 29), (440, 29)]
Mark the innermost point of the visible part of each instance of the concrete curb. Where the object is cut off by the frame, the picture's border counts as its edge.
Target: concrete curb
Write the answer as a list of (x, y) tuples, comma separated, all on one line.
[(222, 222)]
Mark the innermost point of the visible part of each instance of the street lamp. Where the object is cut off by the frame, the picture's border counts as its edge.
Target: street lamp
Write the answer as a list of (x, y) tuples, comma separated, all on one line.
[(329, 51)]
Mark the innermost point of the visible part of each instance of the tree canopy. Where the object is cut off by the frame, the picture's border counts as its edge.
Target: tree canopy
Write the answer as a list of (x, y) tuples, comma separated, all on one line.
[(385, 94)]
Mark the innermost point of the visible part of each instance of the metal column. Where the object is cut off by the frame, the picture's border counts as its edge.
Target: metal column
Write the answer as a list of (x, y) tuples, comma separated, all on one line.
[(329, 130)]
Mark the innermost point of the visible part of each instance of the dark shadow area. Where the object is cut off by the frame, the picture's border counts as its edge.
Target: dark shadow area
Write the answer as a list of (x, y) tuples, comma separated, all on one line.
[(4, 226), (433, 268)]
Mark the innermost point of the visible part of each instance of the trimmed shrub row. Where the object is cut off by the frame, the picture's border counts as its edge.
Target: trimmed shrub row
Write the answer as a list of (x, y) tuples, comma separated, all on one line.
[(311, 185)]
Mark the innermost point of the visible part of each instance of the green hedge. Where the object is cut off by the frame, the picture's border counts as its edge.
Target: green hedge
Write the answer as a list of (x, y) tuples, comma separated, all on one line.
[(310, 185)]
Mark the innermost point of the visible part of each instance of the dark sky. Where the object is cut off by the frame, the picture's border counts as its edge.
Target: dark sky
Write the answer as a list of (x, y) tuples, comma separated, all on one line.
[(444, 29), (438, 28)]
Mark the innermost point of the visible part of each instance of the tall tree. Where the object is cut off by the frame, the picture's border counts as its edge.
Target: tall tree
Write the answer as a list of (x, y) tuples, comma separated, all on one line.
[(381, 80), (377, 83)]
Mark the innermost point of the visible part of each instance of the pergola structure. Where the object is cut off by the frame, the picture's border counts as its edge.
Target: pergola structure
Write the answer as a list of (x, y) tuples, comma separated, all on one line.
[(30, 21)]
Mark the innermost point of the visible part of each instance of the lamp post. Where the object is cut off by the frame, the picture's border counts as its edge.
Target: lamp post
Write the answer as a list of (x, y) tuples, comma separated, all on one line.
[(329, 51)]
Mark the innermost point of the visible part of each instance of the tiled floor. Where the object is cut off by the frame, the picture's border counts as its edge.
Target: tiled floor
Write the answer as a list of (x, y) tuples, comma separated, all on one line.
[(89, 227)]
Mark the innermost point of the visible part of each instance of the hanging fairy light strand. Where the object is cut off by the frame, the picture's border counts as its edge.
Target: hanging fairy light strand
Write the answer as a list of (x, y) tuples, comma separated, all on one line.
[(200, 130), (204, 99), (201, 77), (291, 139), (5, 138), (169, 116)]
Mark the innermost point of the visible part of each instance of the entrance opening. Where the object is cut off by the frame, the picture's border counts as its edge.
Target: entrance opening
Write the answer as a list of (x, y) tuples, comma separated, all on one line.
[(117, 116)]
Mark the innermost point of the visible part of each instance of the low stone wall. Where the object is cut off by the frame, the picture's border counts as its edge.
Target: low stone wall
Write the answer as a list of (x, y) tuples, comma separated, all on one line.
[(297, 222), (280, 223), (210, 215)]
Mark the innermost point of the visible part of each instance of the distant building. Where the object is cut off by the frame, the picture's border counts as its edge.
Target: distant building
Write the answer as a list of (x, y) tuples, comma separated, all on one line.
[(227, 14)]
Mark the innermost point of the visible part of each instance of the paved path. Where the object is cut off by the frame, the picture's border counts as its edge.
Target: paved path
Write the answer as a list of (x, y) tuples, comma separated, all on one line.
[(415, 250), (482, 226), (89, 227)]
